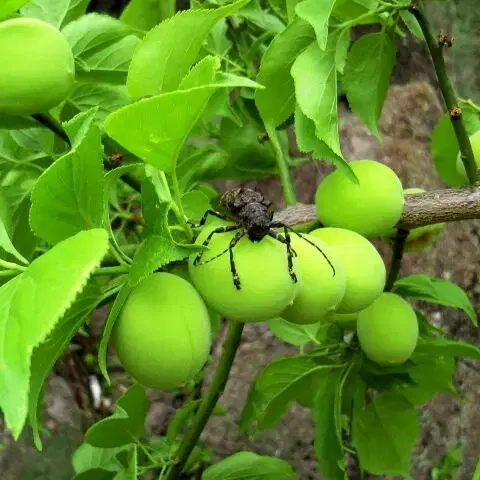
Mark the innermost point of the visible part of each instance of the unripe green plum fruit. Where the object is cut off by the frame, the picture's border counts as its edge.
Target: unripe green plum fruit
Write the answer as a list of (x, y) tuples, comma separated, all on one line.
[(388, 330), (37, 67), (475, 142), (363, 266), (371, 207), (162, 335), (266, 287), (420, 238), (321, 291)]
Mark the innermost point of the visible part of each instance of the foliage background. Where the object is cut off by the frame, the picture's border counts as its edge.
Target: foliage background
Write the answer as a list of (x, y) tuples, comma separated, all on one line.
[(410, 113)]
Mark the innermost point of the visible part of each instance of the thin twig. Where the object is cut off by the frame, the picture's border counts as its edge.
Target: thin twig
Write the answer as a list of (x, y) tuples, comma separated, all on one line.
[(451, 100), (232, 341)]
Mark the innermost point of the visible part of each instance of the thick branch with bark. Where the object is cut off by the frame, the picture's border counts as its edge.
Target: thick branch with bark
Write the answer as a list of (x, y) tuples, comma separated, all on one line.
[(447, 205)]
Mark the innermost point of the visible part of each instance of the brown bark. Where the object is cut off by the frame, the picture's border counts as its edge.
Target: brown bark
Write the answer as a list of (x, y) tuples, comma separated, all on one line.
[(448, 205)]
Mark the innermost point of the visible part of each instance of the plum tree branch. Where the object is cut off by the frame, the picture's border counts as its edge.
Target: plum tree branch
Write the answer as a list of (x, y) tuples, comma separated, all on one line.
[(448, 205), (448, 93), (230, 346)]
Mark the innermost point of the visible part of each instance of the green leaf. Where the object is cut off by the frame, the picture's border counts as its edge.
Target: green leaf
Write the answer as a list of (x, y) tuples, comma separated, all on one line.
[(182, 416), (384, 434), (315, 76), (110, 178), (250, 466), (20, 149), (308, 142), (166, 53), (31, 305), (58, 13), (280, 8), (367, 76), (293, 333), (256, 15), (127, 423), (68, 196), (109, 324), (430, 376), (102, 46), (202, 73), (166, 122), (47, 353), (448, 348), (195, 204), (130, 473), (85, 96), (145, 14), (279, 383), (242, 155), (341, 49), (411, 23), (444, 150), (327, 447), (156, 252), (7, 245), (15, 122), (277, 101), (9, 7), (435, 290), (87, 457), (317, 13)]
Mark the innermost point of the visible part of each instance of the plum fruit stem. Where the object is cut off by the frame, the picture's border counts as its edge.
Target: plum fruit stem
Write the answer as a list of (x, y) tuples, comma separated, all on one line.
[(448, 93), (397, 256), (230, 346)]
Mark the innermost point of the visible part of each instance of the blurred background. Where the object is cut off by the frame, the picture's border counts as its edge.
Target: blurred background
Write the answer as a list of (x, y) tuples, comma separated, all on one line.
[(450, 444)]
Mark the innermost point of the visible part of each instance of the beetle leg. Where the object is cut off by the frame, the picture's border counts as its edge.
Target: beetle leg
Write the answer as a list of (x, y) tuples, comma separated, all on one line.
[(290, 252), (228, 228), (213, 213)]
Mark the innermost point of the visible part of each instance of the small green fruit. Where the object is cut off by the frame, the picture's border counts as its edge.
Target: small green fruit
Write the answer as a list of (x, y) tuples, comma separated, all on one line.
[(266, 287), (419, 239), (475, 142), (370, 208), (321, 290), (162, 336), (363, 266), (37, 67), (388, 330)]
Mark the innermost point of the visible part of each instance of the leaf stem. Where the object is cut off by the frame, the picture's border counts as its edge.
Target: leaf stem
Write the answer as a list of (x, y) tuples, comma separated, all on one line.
[(397, 256), (54, 125), (448, 92), (180, 212), (12, 266), (283, 169), (118, 270), (9, 273), (232, 341)]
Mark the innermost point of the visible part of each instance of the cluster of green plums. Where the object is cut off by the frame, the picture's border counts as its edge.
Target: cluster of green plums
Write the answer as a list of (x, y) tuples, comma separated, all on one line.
[(37, 68), (175, 308)]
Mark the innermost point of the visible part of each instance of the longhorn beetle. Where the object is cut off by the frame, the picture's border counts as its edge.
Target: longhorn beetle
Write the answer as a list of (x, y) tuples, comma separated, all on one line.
[(253, 217)]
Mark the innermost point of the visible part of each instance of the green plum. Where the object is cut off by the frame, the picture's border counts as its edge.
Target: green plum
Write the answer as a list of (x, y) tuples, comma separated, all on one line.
[(364, 268), (321, 290), (372, 207), (266, 286), (162, 335), (388, 330), (37, 68)]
